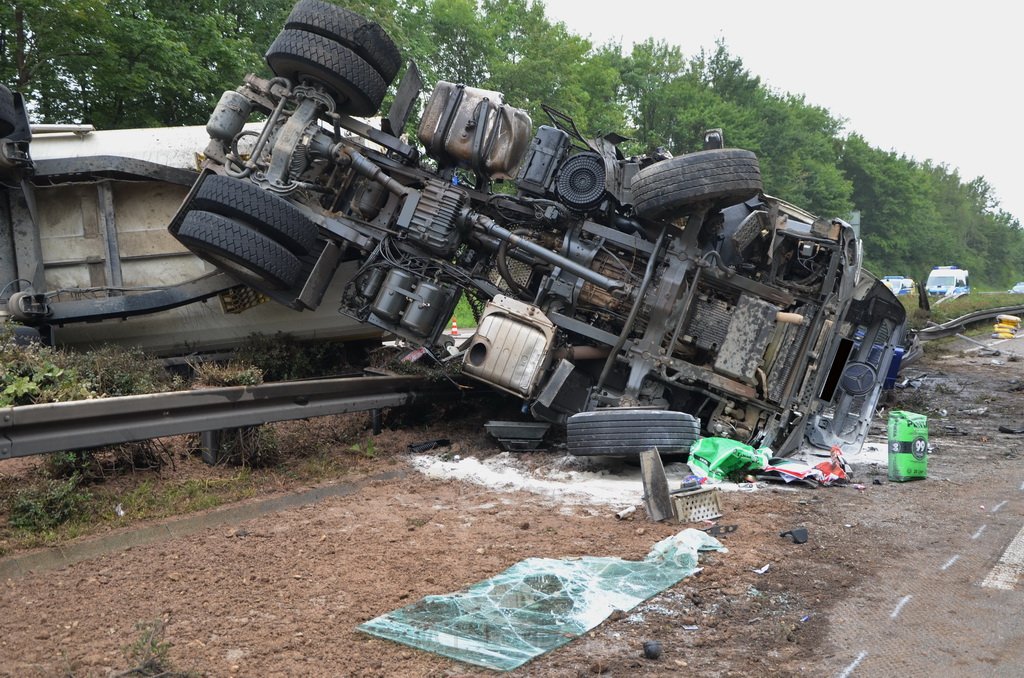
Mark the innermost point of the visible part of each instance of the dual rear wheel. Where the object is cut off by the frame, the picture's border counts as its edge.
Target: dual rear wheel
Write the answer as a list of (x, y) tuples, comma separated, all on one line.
[(350, 56), (260, 238)]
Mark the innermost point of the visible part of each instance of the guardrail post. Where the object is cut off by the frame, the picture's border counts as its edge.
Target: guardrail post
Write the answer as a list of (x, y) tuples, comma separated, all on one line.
[(209, 446)]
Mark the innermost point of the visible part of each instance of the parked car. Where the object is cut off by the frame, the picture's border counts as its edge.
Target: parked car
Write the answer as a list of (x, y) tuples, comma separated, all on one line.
[(900, 285), (1017, 288)]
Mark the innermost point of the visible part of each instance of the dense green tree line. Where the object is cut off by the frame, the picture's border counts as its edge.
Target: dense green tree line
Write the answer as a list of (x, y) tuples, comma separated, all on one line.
[(128, 63)]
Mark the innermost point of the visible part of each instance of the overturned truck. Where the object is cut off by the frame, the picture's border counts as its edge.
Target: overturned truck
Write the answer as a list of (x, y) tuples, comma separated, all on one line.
[(640, 301)]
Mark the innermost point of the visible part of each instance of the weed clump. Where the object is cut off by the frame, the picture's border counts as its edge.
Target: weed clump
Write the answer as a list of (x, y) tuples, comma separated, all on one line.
[(250, 447), (148, 653)]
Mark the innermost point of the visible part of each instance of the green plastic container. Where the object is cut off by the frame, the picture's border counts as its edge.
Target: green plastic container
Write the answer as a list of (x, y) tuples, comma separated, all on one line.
[(908, 446)]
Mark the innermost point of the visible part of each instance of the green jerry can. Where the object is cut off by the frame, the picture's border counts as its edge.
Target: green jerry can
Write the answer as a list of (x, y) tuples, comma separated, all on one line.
[(908, 446)]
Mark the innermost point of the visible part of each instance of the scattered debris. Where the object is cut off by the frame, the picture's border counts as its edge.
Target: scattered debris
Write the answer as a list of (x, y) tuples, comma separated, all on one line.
[(716, 530), (499, 623), (697, 506), (689, 484), (652, 649), (1011, 429), (799, 535), (1006, 326), (657, 500), (518, 436), (985, 349), (908, 445), (626, 513), (834, 471), (716, 459), (420, 448), (763, 570)]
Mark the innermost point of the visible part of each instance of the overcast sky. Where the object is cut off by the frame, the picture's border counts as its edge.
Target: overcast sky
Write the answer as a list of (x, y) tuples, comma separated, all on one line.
[(933, 81)]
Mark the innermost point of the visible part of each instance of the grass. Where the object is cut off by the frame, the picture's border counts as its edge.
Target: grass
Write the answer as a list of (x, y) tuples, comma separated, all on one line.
[(464, 314), (42, 510), (72, 494)]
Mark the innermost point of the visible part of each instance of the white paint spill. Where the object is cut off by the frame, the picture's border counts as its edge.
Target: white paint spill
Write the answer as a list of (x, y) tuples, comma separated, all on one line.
[(1007, 571), (949, 563), (899, 606), (978, 533), (998, 506), (570, 480), (856, 662), (870, 453)]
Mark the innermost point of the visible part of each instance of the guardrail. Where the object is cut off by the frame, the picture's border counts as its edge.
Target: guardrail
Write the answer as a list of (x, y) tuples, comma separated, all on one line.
[(956, 326), (52, 427)]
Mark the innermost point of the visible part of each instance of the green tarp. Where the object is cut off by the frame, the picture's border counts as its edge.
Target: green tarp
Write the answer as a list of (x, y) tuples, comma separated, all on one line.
[(538, 604)]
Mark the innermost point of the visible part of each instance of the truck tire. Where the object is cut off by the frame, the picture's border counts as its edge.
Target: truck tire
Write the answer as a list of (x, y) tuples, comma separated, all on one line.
[(270, 214), (8, 116), (365, 38), (299, 55), (630, 431), (726, 175), (248, 255)]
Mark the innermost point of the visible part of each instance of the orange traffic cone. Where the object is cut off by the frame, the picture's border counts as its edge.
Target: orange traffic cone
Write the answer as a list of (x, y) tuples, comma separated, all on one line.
[(455, 328)]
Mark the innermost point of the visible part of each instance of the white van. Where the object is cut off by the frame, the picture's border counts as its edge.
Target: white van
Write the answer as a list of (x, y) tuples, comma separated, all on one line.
[(948, 281)]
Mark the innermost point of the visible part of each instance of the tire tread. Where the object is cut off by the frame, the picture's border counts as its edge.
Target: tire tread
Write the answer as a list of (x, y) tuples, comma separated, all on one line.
[(213, 236)]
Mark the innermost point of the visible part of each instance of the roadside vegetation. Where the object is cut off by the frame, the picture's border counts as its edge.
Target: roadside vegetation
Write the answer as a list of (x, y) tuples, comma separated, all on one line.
[(65, 495), (939, 313)]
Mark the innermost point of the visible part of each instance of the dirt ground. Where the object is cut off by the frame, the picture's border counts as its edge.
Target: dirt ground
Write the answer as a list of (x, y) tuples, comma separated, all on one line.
[(282, 594)]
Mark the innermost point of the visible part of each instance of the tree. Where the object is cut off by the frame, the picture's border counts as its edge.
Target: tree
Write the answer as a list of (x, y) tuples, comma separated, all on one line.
[(537, 62), (129, 63), (651, 102)]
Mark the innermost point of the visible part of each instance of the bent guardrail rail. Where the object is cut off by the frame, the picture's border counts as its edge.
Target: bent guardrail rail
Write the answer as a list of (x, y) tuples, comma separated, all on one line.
[(958, 325)]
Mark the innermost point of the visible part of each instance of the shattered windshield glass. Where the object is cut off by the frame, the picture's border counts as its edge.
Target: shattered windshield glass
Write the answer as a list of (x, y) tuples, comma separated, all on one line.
[(538, 604)]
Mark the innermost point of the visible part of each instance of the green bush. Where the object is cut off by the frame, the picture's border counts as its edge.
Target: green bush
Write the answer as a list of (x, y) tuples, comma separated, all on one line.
[(41, 374), (213, 374), (49, 504), (280, 357), (111, 371)]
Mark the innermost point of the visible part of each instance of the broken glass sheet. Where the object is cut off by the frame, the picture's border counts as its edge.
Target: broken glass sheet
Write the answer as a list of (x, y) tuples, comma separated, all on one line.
[(538, 604)]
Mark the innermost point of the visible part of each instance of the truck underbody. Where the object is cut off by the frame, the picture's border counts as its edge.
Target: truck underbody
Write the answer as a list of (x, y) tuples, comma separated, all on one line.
[(639, 301)]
